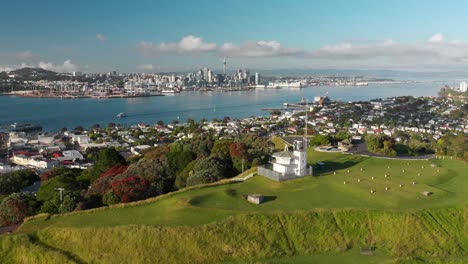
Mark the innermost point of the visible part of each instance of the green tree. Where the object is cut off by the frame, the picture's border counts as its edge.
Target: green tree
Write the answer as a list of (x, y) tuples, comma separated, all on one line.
[(206, 170), (15, 181), (181, 178), (103, 161), (178, 160), (320, 140), (70, 200), (221, 149), (48, 190)]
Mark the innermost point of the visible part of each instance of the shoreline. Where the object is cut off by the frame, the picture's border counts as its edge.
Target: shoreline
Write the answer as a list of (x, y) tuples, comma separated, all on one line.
[(50, 96)]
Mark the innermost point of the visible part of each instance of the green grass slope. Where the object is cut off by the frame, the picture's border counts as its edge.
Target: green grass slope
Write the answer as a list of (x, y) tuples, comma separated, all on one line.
[(311, 219), (433, 233)]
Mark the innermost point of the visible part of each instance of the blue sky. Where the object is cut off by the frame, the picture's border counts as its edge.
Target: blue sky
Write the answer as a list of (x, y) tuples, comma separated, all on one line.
[(184, 35)]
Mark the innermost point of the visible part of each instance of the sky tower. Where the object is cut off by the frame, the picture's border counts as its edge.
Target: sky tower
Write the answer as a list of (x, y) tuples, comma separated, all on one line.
[(224, 66)]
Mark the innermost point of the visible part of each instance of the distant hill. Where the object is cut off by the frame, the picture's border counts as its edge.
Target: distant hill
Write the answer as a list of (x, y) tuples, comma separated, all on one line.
[(35, 74), (32, 72)]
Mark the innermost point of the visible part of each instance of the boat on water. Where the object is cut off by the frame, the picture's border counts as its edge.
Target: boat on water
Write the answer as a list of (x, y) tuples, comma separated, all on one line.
[(25, 127), (302, 102), (121, 115), (170, 91), (289, 84)]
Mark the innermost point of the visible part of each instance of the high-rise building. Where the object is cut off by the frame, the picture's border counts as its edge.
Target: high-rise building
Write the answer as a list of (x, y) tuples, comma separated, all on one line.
[(77, 74), (257, 78), (210, 76), (224, 66), (463, 87), (245, 75), (205, 73)]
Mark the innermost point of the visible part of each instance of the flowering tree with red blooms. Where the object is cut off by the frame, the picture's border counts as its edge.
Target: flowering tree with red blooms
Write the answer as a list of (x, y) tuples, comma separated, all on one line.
[(102, 184), (238, 150), (131, 189), (117, 169)]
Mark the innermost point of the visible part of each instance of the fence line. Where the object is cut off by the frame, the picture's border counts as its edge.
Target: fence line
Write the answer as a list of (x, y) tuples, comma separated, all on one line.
[(276, 176)]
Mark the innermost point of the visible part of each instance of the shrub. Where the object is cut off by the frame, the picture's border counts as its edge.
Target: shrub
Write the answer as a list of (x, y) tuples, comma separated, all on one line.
[(16, 207)]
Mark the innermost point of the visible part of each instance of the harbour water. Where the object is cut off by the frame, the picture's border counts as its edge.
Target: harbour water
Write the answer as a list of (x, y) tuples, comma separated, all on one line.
[(54, 114)]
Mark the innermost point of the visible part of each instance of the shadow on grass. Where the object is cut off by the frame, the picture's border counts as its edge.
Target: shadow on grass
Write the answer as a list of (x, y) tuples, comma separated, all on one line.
[(330, 166), (269, 198)]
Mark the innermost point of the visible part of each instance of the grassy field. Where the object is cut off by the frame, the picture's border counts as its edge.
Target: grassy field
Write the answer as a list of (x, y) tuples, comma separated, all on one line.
[(331, 235), (324, 191), (318, 219)]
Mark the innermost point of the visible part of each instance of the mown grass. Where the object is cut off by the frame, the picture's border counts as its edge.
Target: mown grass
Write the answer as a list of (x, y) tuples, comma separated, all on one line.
[(325, 191), (311, 219)]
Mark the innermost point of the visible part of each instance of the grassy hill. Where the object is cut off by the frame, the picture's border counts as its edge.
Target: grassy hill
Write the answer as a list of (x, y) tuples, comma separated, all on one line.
[(311, 219)]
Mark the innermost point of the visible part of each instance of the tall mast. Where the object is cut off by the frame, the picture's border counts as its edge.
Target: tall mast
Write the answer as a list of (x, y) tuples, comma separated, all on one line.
[(224, 66), (306, 121)]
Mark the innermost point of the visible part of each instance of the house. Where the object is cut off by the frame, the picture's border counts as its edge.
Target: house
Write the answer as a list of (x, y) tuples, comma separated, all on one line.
[(35, 161), (81, 139), (294, 163), (137, 150)]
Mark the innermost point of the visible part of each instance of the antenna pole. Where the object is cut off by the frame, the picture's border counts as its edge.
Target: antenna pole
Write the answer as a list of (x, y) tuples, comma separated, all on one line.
[(306, 121)]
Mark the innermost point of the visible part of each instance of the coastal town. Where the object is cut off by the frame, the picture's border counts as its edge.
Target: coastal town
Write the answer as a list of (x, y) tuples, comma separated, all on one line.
[(198, 132), (36, 82), (428, 118)]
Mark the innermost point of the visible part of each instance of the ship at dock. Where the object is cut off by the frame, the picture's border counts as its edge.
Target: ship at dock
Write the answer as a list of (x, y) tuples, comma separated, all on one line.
[(24, 127), (287, 84)]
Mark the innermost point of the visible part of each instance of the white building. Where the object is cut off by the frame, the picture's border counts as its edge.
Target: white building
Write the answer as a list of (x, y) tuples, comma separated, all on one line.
[(295, 162), (463, 87), (37, 162), (257, 78)]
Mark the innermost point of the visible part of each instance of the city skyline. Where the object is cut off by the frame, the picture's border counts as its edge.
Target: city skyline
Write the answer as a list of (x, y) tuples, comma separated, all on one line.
[(184, 36)]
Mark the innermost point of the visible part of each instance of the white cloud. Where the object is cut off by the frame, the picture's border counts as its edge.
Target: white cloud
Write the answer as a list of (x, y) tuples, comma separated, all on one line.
[(188, 44), (5, 68), (18, 55), (256, 49), (435, 52), (24, 55), (100, 37), (437, 38), (67, 66), (145, 67)]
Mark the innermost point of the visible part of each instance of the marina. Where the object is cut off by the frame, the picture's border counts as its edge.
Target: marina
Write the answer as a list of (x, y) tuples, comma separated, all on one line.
[(187, 104)]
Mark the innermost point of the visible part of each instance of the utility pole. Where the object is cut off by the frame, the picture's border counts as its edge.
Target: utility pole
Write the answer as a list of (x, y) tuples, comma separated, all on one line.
[(60, 189), (242, 167)]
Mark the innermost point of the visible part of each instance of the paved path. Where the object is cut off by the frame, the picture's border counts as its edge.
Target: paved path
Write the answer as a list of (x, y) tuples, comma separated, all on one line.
[(243, 179), (360, 148), (8, 229)]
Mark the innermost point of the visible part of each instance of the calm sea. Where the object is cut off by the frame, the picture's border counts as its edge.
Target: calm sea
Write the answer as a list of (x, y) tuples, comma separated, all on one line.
[(54, 114)]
